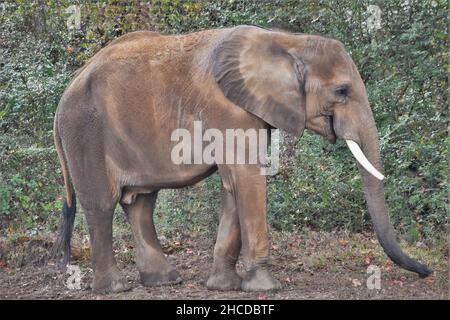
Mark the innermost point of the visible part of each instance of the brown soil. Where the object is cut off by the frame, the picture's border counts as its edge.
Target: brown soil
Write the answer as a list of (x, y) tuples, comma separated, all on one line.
[(312, 265)]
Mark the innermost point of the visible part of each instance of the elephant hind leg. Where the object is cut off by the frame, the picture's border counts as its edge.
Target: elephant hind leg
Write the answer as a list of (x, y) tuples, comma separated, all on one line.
[(98, 204), (154, 269), (107, 277)]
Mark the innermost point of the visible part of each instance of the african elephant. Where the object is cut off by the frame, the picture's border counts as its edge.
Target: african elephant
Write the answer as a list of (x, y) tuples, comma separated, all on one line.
[(113, 130)]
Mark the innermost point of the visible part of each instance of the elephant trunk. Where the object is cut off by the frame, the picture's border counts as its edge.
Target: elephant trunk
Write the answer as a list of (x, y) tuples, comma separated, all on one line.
[(374, 195)]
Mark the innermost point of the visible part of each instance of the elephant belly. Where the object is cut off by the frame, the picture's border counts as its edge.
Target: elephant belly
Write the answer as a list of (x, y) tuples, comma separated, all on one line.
[(148, 180)]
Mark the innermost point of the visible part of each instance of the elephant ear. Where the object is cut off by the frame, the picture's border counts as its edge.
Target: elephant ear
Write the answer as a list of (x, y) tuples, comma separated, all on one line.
[(260, 75)]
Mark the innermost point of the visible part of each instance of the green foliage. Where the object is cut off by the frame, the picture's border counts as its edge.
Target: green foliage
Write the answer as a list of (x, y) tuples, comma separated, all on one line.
[(5, 194), (403, 64), (318, 186), (195, 209), (29, 186)]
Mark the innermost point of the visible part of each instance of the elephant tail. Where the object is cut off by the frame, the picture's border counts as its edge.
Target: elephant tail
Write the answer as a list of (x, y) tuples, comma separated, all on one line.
[(62, 243)]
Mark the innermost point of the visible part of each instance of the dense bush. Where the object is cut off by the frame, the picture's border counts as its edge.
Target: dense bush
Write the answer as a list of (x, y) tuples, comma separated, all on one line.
[(403, 64)]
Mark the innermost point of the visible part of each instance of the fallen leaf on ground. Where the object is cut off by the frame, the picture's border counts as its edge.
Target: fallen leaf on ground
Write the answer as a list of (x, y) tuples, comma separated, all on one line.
[(356, 283), (82, 253), (387, 266), (398, 283), (430, 279), (369, 257)]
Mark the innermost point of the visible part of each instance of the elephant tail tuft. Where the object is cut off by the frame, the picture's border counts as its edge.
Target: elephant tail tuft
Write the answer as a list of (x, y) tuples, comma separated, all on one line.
[(62, 243)]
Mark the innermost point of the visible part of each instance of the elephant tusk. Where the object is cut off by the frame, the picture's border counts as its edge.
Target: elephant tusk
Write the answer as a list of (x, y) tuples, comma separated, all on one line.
[(361, 158)]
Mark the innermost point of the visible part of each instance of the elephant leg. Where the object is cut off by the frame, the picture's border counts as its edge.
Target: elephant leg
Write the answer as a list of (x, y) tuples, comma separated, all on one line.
[(154, 269), (248, 187), (227, 248), (107, 277)]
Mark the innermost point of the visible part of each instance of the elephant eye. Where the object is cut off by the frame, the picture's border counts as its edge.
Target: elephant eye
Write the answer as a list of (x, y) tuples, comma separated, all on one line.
[(342, 92)]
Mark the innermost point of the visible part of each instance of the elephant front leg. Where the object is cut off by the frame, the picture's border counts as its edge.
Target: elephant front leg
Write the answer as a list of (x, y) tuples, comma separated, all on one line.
[(227, 248), (248, 188), (154, 269)]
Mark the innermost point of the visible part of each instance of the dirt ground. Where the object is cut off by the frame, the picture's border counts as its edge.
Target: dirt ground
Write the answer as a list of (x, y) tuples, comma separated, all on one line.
[(312, 265)]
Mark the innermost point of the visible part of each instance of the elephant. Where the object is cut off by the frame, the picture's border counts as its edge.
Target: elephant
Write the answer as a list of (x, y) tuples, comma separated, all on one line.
[(113, 127)]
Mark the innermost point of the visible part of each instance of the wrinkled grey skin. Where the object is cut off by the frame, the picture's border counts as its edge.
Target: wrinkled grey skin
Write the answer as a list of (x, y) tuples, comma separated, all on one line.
[(114, 122)]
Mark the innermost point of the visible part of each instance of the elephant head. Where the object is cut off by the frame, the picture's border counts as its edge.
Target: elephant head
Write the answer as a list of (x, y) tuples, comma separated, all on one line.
[(298, 81)]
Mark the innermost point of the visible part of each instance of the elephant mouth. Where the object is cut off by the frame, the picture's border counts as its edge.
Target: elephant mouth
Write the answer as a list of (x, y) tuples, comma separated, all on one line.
[(330, 134)]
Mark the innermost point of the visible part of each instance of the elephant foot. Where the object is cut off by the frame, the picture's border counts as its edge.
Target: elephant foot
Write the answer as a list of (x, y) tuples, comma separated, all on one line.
[(224, 281), (112, 283), (259, 280), (153, 279)]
